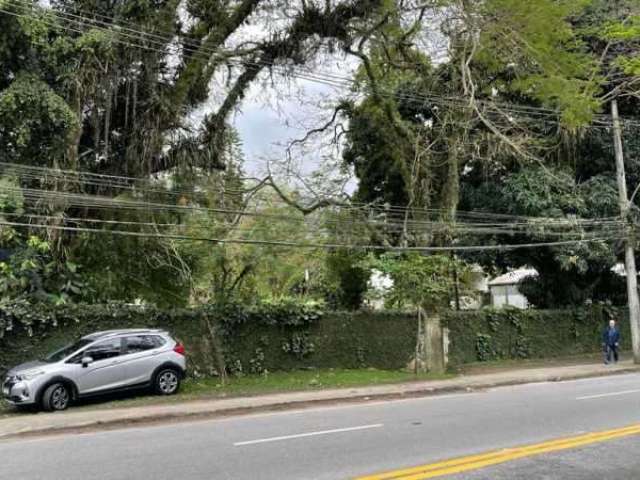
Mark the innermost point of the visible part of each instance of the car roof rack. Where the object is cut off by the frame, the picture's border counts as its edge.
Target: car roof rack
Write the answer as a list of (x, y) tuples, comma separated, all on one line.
[(123, 331)]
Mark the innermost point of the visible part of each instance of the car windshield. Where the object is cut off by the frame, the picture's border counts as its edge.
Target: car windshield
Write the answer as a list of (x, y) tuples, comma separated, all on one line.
[(66, 351)]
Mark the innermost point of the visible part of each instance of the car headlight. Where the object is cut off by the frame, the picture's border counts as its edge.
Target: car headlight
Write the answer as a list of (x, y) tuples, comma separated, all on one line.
[(29, 375)]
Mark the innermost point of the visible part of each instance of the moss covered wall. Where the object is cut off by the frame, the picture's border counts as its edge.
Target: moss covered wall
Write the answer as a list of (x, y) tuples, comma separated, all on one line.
[(252, 343), (494, 334), (285, 338)]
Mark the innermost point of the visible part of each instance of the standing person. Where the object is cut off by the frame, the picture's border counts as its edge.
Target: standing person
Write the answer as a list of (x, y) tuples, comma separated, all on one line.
[(611, 342)]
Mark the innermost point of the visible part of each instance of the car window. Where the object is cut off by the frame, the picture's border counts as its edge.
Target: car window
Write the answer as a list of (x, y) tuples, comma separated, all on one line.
[(104, 349), (66, 351), (141, 343)]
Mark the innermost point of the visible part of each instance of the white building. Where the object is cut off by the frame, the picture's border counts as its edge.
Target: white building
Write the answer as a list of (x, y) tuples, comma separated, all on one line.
[(504, 289), (379, 286), (478, 283)]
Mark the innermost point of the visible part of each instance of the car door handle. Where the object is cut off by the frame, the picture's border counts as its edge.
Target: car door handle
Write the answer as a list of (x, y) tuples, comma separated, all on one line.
[(155, 353)]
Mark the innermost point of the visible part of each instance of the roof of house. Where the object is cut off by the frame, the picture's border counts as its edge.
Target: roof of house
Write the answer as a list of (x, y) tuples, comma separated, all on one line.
[(513, 277)]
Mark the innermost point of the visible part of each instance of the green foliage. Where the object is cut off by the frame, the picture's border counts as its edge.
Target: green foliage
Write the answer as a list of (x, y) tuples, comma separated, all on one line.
[(90, 100), (484, 348), (248, 272), (627, 30), (569, 274), (299, 345), (630, 66), (29, 270), (269, 339), (383, 340), (35, 122), (256, 363), (11, 196), (84, 100), (503, 334), (345, 280), (378, 155), (554, 192), (152, 272), (425, 281), (263, 338), (532, 193), (282, 313), (621, 32), (95, 43), (536, 42)]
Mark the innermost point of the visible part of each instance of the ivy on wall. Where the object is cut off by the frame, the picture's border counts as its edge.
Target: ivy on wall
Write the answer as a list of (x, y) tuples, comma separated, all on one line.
[(225, 338), (497, 334), (239, 340)]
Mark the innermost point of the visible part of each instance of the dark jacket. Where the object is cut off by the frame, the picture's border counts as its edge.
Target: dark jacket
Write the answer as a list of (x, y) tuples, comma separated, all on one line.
[(615, 336)]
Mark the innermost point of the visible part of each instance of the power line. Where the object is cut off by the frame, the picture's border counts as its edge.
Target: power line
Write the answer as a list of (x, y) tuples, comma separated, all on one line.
[(194, 46), (460, 229), (329, 246), (385, 210), (91, 201), (383, 222)]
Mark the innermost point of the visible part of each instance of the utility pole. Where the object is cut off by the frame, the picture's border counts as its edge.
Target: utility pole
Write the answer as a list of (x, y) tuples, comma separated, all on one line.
[(629, 254)]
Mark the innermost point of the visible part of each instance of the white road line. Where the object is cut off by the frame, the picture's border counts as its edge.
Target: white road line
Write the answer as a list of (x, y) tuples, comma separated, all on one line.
[(309, 434), (612, 394)]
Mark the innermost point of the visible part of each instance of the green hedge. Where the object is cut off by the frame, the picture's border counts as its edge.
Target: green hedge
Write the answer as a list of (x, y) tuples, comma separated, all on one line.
[(268, 337), (383, 340), (287, 336), (494, 334)]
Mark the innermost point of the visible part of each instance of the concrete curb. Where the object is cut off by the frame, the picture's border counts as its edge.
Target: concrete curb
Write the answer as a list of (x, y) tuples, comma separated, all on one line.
[(78, 422)]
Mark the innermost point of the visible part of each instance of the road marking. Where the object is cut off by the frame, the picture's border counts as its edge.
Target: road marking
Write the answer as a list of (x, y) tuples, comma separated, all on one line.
[(475, 462), (611, 394), (308, 434)]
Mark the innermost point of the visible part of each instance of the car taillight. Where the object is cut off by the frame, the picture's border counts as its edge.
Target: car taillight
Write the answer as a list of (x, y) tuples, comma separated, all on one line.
[(179, 348)]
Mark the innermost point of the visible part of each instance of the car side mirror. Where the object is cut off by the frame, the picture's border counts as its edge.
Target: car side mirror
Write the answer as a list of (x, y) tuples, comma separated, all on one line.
[(86, 361)]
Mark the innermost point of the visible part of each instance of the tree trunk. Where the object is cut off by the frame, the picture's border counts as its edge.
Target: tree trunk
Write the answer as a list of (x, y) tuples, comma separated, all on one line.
[(419, 364), (218, 352)]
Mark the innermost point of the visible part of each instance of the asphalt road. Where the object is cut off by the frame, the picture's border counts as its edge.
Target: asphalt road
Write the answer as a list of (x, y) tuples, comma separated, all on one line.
[(344, 442), (615, 460)]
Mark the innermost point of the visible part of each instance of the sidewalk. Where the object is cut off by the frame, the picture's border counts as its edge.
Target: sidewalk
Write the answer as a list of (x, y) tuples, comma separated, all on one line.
[(79, 420)]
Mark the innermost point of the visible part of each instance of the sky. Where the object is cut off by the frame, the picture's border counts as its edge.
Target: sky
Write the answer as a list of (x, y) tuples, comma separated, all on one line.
[(276, 109), (269, 119), (275, 113), (261, 128)]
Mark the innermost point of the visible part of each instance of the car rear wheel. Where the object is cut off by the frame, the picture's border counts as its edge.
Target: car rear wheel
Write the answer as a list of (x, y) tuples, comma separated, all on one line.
[(56, 397), (167, 381)]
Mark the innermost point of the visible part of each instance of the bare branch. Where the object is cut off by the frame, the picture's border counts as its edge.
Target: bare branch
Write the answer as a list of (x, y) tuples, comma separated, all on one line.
[(340, 108), (305, 209)]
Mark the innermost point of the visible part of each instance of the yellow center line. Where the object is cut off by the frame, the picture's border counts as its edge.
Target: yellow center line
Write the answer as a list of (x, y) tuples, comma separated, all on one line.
[(474, 462), (483, 456)]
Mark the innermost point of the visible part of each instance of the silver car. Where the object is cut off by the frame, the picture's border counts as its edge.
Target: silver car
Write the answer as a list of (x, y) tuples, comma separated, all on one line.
[(99, 363)]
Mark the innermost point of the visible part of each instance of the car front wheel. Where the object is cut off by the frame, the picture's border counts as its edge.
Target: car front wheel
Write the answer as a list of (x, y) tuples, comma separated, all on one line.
[(167, 382), (56, 397)]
